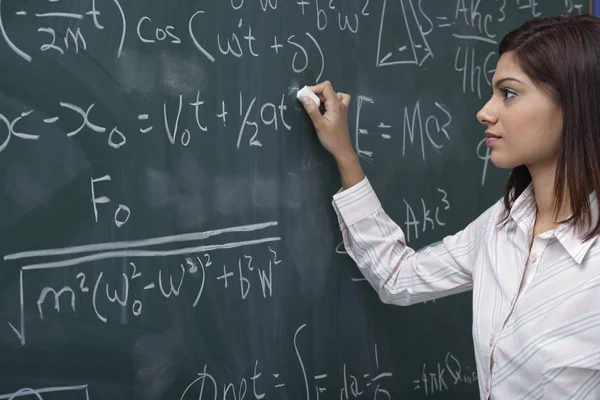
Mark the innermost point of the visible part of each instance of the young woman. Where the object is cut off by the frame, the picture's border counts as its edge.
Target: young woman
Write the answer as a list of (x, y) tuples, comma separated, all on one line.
[(532, 258)]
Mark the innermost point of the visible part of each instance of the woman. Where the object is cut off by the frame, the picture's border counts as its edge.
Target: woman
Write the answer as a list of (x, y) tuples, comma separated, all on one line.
[(531, 259)]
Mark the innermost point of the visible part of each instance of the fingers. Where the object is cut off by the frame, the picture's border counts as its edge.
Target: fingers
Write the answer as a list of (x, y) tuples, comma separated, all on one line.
[(312, 110), (344, 99), (321, 97), (331, 101), (325, 91)]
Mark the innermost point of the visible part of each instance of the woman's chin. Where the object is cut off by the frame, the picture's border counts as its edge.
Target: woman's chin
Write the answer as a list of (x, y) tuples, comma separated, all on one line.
[(502, 162)]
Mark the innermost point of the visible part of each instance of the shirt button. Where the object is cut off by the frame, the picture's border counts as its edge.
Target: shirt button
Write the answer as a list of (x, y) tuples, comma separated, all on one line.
[(491, 342), (533, 257)]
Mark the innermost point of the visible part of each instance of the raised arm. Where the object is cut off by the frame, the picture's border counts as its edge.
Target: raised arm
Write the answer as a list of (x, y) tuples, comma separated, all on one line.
[(400, 274)]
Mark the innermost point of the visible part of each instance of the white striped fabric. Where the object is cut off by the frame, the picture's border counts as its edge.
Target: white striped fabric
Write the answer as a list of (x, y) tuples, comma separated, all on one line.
[(536, 315)]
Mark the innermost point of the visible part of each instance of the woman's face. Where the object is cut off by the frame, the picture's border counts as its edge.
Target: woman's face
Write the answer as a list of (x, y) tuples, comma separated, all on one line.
[(526, 120)]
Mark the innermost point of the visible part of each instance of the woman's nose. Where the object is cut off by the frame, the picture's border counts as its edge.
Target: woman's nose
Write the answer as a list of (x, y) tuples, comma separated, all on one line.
[(486, 115)]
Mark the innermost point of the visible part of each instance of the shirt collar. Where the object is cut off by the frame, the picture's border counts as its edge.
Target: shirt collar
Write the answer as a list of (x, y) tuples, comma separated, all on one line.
[(572, 239), (524, 205), (523, 213)]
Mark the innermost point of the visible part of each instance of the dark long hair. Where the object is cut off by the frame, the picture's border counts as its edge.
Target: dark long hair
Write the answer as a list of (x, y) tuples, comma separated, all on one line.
[(561, 54)]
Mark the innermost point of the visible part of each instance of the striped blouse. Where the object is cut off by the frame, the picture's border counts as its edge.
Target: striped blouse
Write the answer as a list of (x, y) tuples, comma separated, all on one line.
[(536, 314)]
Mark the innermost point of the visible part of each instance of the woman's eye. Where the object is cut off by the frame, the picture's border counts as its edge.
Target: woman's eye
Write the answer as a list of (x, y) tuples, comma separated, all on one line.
[(507, 94)]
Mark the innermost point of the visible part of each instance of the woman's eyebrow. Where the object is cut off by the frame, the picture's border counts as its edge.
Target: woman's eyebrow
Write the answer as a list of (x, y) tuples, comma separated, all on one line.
[(501, 81)]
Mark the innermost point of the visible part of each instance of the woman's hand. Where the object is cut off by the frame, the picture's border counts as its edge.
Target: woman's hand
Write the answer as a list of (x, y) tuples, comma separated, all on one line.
[(331, 127), (332, 130)]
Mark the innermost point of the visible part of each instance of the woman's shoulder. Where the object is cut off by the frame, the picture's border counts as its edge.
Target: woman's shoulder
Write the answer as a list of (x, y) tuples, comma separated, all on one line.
[(489, 219)]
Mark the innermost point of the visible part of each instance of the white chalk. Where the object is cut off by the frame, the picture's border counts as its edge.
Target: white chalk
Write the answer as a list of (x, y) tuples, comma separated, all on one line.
[(306, 92)]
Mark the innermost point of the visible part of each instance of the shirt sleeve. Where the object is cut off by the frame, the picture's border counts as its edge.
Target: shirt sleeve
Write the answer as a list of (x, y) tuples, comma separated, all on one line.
[(401, 275)]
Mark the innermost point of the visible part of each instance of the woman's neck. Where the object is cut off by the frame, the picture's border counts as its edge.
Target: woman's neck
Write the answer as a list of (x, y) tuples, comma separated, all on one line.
[(543, 186)]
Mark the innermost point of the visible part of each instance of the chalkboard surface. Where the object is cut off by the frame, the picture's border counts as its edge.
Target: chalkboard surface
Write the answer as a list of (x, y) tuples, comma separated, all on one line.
[(166, 228)]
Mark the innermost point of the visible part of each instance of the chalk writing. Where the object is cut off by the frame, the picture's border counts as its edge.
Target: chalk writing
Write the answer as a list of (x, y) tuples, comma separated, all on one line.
[(363, 385), (473, 74), (167, 282), (412, 222), (424, 131), (272, 115), (411, 46), (48, 393), (443, 376), (73, 40)]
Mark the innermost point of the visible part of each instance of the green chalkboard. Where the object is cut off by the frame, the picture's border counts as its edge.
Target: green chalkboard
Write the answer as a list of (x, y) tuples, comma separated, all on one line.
[(166, 227)]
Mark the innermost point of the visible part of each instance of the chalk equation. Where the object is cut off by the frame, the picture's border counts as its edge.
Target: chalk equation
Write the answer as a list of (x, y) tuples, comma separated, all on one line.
[(428, 129), (134, 283), (352, 385), (406, 25), (345, 384), (237, 44), (443, 376), (424, 127), (73, 38), (272, 115)]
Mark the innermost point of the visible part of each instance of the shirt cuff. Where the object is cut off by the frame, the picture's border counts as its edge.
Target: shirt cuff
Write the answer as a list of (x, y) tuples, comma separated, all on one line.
[(355, 203)]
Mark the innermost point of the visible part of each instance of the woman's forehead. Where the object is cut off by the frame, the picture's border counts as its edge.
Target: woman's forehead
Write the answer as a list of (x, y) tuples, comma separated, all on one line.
[(508, 67)]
